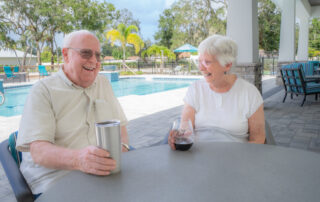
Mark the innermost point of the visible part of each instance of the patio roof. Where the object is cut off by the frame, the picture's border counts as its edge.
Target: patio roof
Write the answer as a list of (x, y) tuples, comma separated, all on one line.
[(11, 54)]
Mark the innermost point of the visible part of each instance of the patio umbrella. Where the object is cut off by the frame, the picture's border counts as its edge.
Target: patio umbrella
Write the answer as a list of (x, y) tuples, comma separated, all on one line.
[(186, 48)]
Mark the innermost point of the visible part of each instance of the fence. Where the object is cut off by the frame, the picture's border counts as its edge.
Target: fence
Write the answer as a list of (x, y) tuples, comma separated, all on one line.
[(269, 64)]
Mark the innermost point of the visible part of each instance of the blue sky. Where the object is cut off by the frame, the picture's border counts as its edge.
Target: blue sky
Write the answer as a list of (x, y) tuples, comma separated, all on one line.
[(147, 11)]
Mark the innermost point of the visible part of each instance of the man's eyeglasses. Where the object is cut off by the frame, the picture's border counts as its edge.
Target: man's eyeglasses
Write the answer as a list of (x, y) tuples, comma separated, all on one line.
[(87, 53)]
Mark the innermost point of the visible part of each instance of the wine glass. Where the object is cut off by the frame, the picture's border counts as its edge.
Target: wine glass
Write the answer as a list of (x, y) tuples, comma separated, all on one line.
[(183, 134)]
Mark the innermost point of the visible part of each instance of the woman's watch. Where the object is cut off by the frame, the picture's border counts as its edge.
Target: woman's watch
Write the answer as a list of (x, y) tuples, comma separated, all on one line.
[(125, 146)]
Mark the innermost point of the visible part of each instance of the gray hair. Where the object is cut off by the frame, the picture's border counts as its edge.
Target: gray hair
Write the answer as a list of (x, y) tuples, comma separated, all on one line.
[(223, 48), (67, 39)]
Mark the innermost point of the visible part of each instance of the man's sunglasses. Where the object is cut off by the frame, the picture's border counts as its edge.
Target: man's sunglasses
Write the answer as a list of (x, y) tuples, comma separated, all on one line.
[(87, 53)]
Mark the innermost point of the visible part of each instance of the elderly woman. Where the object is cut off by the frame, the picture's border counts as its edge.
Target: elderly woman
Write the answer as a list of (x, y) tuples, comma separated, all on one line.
[(223, 102)]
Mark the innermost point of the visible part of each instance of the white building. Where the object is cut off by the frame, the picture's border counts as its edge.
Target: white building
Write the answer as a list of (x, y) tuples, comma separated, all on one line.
[(8, 57)]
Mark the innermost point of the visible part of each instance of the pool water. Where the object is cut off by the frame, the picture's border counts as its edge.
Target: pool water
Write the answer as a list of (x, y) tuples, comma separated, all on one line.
[(16, 97)]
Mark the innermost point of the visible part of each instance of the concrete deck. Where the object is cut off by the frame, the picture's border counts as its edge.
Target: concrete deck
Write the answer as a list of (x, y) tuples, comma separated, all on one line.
[(150, 117)]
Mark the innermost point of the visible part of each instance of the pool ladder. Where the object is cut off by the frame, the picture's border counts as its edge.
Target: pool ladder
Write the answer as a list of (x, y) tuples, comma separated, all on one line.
[(2, 98)]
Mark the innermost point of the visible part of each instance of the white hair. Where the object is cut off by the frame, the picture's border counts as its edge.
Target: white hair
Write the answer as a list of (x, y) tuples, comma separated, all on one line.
[(68, 38), (223, 48)]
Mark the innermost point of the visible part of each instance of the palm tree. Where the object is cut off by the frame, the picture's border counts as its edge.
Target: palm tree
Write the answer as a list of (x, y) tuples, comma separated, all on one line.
[(125, 36), (159, 51)]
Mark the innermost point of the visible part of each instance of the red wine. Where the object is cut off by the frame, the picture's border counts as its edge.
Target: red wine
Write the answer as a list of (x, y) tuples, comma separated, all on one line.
[(183, 147), (183, 144)]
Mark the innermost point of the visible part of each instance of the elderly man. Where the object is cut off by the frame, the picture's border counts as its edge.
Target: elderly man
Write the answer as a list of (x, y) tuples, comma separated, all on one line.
[(57, 131)]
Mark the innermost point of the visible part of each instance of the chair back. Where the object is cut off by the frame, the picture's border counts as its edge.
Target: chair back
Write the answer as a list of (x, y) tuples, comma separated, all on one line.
[(42, 70), (17, 181), (16, 69), (7, 71), (293, 78)]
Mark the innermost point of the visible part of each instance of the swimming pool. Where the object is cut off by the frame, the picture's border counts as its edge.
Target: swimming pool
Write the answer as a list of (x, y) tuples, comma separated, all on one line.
[(16, 97)]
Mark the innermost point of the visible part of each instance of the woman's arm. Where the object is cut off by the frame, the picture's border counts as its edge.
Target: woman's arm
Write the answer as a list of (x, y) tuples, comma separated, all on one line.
[(257, 127), (188, 112)]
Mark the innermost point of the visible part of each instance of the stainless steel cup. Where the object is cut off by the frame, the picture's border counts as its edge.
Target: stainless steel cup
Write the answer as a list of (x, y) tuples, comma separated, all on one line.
[(109, 138)]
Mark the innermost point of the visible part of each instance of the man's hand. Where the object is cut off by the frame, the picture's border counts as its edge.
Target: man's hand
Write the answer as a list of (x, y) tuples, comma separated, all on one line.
[(172, 134), (94, 160)]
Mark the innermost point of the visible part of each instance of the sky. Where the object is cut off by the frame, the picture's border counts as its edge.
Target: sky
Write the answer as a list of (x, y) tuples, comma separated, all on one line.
[(146, 11)]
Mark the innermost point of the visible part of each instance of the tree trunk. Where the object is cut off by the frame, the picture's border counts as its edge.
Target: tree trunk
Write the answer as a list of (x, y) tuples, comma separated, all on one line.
[(52, 55), (124, 58), (38, 53)]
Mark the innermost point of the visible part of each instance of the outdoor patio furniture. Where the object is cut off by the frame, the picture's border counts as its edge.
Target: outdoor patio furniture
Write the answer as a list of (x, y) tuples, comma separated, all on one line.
[(16, 69), (9, 74), (10, 160), (42, 71), (207, 172), (294, 82), (315, 66)]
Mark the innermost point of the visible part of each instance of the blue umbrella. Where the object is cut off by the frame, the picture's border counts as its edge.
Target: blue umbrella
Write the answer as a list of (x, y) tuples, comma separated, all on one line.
[(186, 48)]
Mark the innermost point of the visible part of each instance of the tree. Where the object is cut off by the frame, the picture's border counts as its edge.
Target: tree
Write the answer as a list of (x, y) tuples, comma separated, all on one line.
[(165, 33), (191, 21), (160, 52), (124, 36), (269, 18), (314, 34)]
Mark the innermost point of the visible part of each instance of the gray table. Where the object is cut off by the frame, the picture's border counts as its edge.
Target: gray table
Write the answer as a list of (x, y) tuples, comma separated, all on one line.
[(208, 172)]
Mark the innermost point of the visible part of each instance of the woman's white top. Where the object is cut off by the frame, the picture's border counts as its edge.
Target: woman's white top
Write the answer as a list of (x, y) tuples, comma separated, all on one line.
[(223, 116)]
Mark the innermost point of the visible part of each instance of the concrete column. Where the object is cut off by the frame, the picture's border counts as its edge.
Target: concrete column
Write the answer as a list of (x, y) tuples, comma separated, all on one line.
[(242, 26), (287, 36), (287, 32), (303, 39)]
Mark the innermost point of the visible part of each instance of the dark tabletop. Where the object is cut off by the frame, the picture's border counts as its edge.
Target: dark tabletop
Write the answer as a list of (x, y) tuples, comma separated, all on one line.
[(208, 172)]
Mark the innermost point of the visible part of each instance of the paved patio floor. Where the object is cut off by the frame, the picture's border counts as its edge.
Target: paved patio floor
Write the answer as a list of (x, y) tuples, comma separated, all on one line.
[(150, 118)]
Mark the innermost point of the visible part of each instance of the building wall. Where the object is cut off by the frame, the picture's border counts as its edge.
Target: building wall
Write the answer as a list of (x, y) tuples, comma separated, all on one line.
[(14, 62)]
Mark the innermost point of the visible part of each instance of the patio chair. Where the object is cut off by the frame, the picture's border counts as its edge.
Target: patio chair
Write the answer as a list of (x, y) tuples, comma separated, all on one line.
[(10, 159), (177, 69), (294, 82), (9, 74), (16, 69), (42, 71)]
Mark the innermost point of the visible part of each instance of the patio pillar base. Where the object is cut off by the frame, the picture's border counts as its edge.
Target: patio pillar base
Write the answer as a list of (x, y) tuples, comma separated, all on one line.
[(278, 78), (250, 72)]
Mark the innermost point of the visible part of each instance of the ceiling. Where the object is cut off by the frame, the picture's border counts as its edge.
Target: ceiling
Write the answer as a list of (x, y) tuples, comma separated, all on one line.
[(314, 2)]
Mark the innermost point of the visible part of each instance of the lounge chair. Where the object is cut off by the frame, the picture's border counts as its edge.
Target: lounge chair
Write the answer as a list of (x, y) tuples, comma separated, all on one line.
[(9, 73), (177, 69), (42, 71), (16, 69), (10, 159)]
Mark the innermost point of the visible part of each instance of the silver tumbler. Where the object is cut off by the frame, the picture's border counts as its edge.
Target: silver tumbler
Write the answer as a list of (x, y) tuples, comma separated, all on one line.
[(109, 138)]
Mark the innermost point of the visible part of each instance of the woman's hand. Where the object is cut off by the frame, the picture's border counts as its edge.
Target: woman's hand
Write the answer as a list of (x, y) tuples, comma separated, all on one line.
[(172, 134)]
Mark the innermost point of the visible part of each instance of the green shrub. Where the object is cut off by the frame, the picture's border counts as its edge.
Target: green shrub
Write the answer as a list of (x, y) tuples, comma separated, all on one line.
[(127, 73)]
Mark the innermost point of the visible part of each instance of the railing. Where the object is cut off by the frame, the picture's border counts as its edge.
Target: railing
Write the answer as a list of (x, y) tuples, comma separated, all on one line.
[(269, 64)]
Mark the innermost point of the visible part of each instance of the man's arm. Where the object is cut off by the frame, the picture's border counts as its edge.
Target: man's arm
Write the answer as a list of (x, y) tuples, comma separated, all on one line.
[(91, 159), (257, 127)]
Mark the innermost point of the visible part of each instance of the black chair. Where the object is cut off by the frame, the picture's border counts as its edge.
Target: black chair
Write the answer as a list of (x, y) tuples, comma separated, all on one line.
[(294, 82), (19, 185)]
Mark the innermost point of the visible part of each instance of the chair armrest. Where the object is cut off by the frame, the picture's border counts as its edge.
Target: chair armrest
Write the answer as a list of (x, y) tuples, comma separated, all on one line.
[(19, 185)]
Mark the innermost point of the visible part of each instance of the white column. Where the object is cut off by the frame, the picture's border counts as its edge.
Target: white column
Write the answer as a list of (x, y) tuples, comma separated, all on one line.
[(287, 32), (242, 26), (303, 39)]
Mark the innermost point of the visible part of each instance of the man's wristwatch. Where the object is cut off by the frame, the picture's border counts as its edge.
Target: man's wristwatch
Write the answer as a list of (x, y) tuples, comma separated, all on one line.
[(125, 146)]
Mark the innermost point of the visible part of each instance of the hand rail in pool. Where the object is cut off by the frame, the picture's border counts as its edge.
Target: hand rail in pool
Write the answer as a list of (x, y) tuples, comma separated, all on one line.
[(2, 98)]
